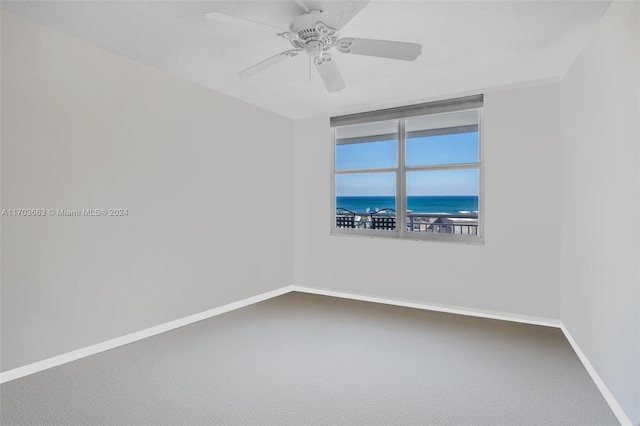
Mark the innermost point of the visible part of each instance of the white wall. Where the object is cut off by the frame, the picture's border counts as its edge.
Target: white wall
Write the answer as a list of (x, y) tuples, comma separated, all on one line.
[(207, 180), (517, 269), (600, 272)]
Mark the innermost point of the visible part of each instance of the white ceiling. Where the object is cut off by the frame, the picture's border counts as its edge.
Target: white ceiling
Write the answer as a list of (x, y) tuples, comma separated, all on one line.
[(467, 45)]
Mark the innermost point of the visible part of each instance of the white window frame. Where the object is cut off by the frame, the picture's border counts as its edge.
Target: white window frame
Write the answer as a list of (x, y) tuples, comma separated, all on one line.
[(401, 115)]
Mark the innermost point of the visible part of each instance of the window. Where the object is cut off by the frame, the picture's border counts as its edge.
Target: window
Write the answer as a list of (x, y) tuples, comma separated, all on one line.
[(422, 161)]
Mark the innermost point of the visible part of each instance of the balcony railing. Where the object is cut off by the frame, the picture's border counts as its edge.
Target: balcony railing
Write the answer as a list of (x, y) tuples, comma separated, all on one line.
[(442, 223)]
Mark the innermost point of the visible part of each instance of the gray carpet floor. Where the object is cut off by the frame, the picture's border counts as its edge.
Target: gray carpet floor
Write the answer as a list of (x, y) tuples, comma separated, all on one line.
[(306, 359)]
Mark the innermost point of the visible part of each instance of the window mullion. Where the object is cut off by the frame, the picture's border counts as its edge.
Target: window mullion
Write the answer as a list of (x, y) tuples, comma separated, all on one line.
[(462, 166), (366, 171), (401, 199)]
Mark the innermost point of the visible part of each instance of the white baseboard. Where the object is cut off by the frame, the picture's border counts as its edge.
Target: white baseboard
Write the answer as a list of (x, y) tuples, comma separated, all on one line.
[(16, 373), (525, 319), (604, 390)]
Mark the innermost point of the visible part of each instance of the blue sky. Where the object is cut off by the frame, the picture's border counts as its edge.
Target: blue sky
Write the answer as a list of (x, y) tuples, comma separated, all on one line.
[(427, 151)]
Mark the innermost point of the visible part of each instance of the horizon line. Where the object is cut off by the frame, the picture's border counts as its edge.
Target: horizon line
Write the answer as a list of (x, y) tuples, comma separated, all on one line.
[(449, 195)]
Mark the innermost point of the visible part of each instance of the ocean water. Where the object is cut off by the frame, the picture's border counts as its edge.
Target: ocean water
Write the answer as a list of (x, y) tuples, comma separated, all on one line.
[(419, 204)]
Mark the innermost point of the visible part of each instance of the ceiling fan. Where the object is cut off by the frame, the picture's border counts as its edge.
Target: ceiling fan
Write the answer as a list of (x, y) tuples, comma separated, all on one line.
[(317, 32)]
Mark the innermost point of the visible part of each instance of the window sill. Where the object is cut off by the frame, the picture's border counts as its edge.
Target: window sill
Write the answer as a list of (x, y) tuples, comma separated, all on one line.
[(422, 237)]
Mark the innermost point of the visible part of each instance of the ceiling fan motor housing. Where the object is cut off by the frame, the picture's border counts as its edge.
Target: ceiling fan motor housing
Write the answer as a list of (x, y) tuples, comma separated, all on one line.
[(308, 32)]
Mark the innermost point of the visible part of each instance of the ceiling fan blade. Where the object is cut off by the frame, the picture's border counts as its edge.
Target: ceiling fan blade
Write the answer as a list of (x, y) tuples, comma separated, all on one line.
[(337, 14), (302, 5), (236, 20), (269, 62), (381, 48), (330, 74)]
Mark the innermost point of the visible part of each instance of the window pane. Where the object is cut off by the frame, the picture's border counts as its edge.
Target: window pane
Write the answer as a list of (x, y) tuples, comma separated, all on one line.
[(366, 201), (442, 139), (367, 146), (443, 201)]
